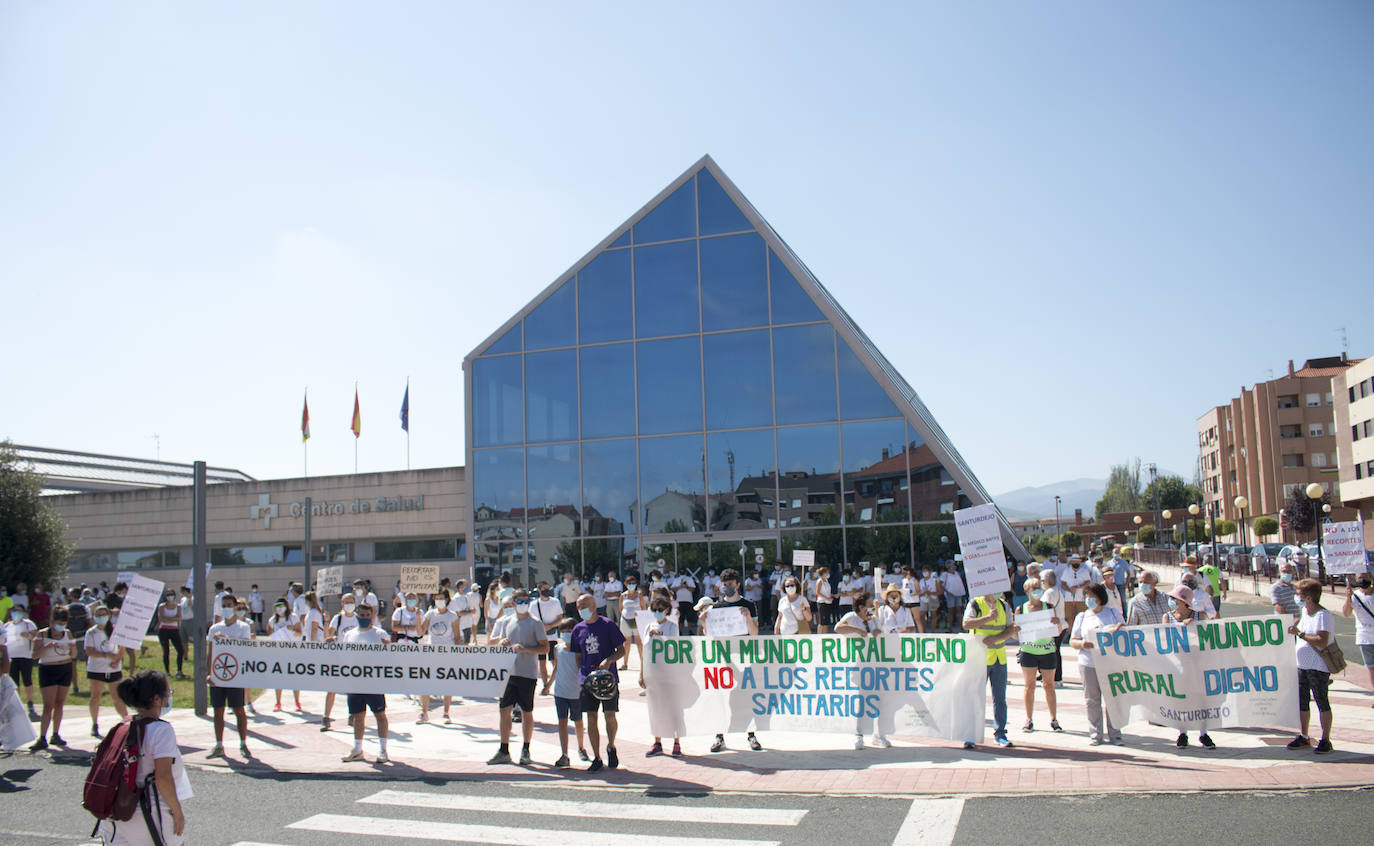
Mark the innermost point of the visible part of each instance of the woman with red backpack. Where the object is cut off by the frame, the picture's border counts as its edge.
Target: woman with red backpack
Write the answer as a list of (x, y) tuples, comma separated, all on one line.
[(160, 768)]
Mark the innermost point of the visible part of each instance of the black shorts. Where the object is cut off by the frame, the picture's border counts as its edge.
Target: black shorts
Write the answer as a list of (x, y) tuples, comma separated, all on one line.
[(21, 670), (358, 702), (823, 615), (55, 675), (1039, 662), (519, 691), (108, 678), (221, 697), (548, 653), (687, 613), (590, 704)]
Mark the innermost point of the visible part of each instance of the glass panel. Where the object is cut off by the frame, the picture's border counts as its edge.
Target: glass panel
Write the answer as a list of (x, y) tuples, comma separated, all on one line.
[(666, 289), (804, 373), (608, 397), (553, 486), (608, 486), (742, 478), (886, 545), (552, 323), (692, 557), (551, 396), (622, 241), (790, 302), (497, 418), (734, 282), (739, 392), (718, 212), (827, 543), (874, 469), (809, 458), (603, 291), (860, 396), (507, 343), (237, 556), (934, 543), (414, 550), (932, 488), (547, 560), (499, 490), (675, 217), (603, 555), (490, 559), (669, 385), (743, 555), (671, 479)]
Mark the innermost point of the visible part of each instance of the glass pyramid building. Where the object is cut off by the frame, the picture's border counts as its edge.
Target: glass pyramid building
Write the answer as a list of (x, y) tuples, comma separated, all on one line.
[(689, 393)]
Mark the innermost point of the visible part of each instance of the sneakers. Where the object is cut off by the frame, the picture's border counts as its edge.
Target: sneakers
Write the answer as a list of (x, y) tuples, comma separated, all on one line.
[(424, 718), (33, 715), (39, 745), (299, 707), (382, 758), (516, 717), (1096, 741), (243, 750), (881, 742), (499, 758), (1003, 741), (355, 755), (448, 721), (655, 750), (968, 744), (1299, 742), (612, 759), (1029, 726), (562, 763), (596, 766), (858, 741), (1324, 748), (1054, 725), (719, 744), (754, 742), (181, 676), (325, 724), (56, 740), (582, 753), (276, 707), (216, 751), (1182, 742), (525, 757), (677, 749), (95, 731), (1206, 741), (1118, 741)]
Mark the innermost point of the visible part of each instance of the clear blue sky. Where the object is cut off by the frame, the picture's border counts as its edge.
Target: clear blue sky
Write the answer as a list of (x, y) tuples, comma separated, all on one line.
[(1074, 227)]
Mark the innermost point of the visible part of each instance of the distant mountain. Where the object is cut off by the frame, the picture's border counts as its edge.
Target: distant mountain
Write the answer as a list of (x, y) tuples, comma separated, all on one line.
[(1030, 503)]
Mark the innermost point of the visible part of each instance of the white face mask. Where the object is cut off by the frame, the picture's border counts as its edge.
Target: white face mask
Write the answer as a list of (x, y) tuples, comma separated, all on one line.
[(441, 604)]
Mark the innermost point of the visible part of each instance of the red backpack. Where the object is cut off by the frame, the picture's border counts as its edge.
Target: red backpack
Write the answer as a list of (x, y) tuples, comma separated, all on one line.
[(112, 788)]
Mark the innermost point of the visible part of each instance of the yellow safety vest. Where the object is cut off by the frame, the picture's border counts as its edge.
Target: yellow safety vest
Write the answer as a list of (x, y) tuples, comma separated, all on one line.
[(996, 654)]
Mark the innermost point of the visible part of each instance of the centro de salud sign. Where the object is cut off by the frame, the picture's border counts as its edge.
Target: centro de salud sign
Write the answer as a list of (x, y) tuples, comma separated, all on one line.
[(266, 510)]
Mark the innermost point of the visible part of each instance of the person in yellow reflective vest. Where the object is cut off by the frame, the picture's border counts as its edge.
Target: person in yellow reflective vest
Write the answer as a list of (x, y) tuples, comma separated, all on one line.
[(990, 618)]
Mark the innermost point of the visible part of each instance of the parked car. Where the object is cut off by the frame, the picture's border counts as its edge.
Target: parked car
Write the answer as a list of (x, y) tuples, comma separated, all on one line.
[(1312, 552), (1295, 555), (1262, 557)]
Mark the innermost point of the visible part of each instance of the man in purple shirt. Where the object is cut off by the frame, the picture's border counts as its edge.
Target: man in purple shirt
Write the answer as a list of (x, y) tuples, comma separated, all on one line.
[(597, 644)]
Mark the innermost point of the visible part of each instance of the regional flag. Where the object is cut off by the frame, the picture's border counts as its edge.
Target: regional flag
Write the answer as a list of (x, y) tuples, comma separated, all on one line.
[(357, 426), (405, 409), (305, 419)]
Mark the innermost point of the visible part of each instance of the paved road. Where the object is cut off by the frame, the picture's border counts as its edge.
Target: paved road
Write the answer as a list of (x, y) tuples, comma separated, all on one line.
[(42, 807)]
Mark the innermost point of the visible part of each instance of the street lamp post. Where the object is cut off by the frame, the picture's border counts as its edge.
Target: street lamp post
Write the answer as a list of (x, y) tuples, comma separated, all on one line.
[(1241, 503), (1314, 493), (1166, 514), (1057, 530), (1187, 532), (1137, 522)]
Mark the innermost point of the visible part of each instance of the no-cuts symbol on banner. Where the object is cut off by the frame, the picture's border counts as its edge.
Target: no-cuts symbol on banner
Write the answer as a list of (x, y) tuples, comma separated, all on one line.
[(225, 667)]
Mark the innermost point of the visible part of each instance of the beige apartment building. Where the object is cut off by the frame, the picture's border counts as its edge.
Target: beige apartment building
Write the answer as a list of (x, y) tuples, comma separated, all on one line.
[(1276, 436), (1354, 390)]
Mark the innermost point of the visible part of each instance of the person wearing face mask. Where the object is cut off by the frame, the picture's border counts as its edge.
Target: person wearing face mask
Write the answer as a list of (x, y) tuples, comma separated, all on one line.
[(526, 635), (954, 595), (405, 620), (1150, 604), (861, 621), (233, 625), (491, 608), (103, 661), (990, 618), (794, 613), (1181, 613), (366, 632), (548, 611), (438, 626), (568, 592), (1314, 629), (567, 695), (343, 621), (188, 616), (731, 598), (1095, 617), (893, 617), (364, 596), (598, 644), (631, 602), (282, 625), (462, 602), (825, 601), (1054, 599), (1360, 605), (19, 632), (614, 587), (160, 765), (1282, 595), (663, 627), (169, 634), (684, 592), (928, 590), (1018, 585), (217, 605), (54, 649), (1036, 659)]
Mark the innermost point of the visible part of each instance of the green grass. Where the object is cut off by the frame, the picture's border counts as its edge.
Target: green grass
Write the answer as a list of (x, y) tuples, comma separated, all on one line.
[(183, 690)]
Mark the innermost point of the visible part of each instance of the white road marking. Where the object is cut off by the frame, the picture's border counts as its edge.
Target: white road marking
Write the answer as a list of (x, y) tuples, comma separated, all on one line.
[(593, 810), (498, 834), (46, 835), (930, 822)]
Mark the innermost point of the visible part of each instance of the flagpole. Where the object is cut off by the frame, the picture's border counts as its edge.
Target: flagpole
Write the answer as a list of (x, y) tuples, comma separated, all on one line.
[(407, 422), (355, 433)]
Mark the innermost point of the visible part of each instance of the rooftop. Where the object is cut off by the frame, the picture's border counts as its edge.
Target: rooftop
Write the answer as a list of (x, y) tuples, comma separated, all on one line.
[(68, 472)]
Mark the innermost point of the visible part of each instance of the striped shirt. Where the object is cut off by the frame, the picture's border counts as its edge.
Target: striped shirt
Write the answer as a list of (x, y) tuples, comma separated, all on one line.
[(1284, 595), (1148, 611)]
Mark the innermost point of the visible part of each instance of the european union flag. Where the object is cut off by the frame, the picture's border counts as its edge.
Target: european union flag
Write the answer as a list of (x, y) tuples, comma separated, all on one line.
[(405, 410)]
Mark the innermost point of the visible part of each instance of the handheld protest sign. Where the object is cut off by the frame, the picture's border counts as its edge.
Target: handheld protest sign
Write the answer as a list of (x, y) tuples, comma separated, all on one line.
[(136, 613), (980, 542), (420, 578)]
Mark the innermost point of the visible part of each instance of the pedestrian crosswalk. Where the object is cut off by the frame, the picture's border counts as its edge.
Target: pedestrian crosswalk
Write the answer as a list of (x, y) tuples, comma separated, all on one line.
[(593, 810)]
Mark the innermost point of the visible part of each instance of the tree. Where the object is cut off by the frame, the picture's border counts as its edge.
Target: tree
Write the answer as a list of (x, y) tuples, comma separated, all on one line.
[(1146, 535), (1070, 541), (33, 536), (1173, 493), (1123, 490), (1298, 510), (1266, 526), (1226, 527), (1041, 547)]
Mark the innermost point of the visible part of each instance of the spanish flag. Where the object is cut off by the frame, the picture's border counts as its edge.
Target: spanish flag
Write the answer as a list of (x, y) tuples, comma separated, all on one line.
[(357, 426), (305, 419)]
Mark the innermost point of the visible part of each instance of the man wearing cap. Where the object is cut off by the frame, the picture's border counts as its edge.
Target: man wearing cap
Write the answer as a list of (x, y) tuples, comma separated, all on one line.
[(597, 644)]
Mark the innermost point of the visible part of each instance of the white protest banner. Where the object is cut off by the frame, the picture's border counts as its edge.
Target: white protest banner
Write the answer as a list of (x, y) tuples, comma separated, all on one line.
[(398, 668), (137, 611), (329, 582), (284, 634), (1036, 625), (926, 685), (124, 577), (980, 541), (802, 558), (727, 622), (1233, 672), (419, 578), (1343, 548), (191, 576)]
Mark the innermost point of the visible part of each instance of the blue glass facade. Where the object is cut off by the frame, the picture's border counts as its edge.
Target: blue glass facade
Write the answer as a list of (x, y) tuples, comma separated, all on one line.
[(680, 395)]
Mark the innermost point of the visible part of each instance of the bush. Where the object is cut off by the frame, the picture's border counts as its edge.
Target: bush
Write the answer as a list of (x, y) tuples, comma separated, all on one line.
[(1146, 535), (1266, 526), (1070, 541)]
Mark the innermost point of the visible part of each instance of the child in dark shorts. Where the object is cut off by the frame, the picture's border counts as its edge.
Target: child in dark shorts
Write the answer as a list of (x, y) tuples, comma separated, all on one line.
[(567, 693)]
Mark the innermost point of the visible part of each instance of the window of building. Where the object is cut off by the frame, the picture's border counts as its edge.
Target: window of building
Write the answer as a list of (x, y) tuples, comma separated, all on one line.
[(331, 553), (1288, 401), (1369, 468), (1318, 459), (946, 508), (239, 556), (1355, 432), (1314, 400), (1290, 431), (1329, 398), (1292, 460), (1366, 427), (442, 549), (1359, 471), (1315, 430)]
